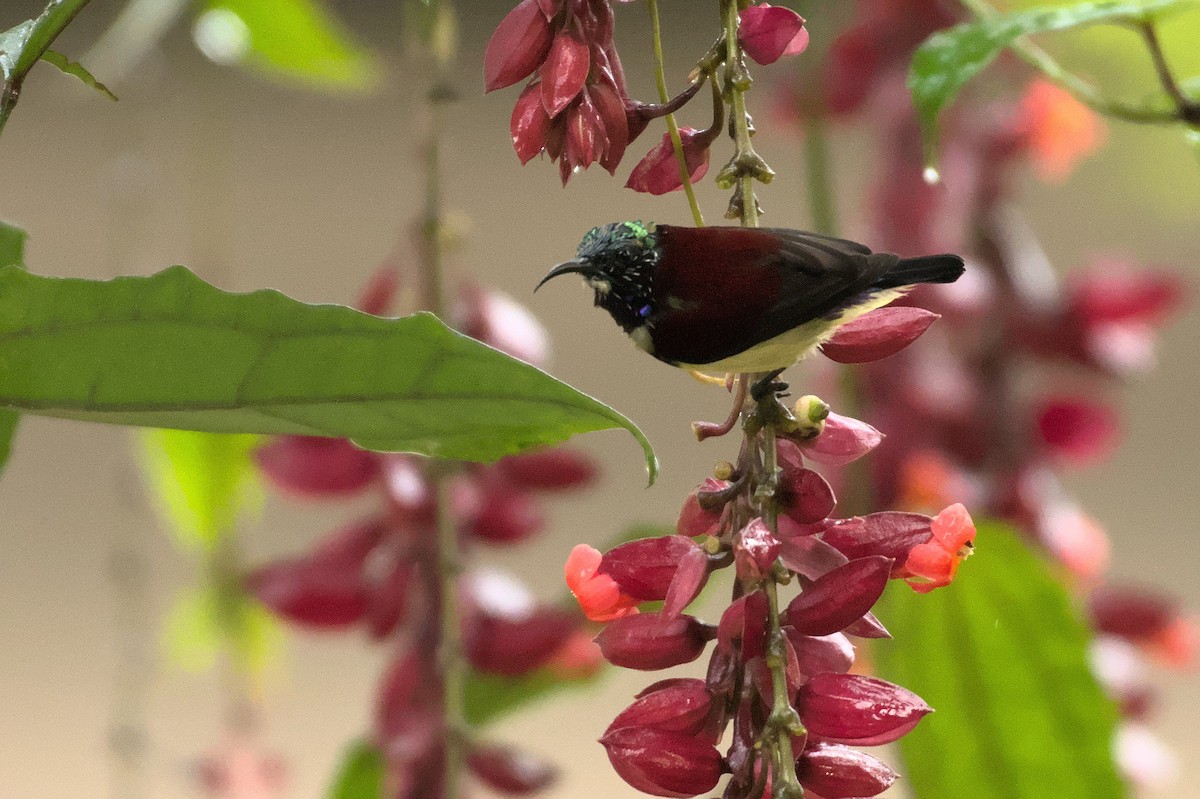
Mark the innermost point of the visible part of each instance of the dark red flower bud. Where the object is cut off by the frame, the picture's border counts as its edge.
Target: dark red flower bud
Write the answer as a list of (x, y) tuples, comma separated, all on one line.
[(840, 598), (838, 772), (564, 72), (611, 109), (821, 653), (761, 676), (510, 771), (694, 519), (308, 466), (878, 334), (868, 627), (644, 568), (379, 293), (678, 705), (688, 582), (352, 543), (585, 133), (1131, 613), (842, 441), (863, 711), (809, 556), (663, 763), (769, 32), (408, 690), (658, 172), (388, 601), (647, 642), (506, 514), (530, 124), (1077, 430), (755, 550), (805, 496), (745, 620), (516, 646), (1120, 293), (321, 591), (891, 534), (520, 43), (549, 469)]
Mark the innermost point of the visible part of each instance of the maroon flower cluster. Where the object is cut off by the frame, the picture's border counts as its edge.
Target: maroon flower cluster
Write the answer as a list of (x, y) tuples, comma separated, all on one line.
[(665, 743), (380, 573), (1019, 387), (577, 108)]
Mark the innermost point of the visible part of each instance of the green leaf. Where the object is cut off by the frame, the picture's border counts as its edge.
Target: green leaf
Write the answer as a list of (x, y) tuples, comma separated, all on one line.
[(360, 775), (12, 253), (22, 45), (202, 481), (205, 622), (170, 350), (949, 59), (1001, 656), (297, 39), (78, 70)]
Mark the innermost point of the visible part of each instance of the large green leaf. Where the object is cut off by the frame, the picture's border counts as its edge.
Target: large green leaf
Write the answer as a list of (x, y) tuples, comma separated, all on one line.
[(1001, 655), (21, 47), (202, 481), (12, 253), (170, 350), (360, 775), (950, 58), (298, 39)]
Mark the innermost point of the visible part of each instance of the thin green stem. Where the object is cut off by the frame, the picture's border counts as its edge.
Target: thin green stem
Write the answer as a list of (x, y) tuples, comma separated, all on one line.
[(821, 200), (1189, 109), (664, 96), (46, 28), (1078, 88), (746, 165)]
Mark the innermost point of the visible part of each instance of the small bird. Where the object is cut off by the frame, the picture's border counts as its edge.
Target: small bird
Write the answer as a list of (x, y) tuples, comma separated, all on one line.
[(732, 299)]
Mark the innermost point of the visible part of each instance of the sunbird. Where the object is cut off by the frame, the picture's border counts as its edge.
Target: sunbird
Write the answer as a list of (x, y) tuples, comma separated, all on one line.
[(733, 299)]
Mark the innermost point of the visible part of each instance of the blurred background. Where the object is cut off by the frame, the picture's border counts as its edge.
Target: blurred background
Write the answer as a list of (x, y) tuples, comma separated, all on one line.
[(254, 182)]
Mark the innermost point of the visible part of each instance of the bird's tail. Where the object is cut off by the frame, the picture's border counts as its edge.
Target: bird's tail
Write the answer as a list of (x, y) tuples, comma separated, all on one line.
[(926, 269)]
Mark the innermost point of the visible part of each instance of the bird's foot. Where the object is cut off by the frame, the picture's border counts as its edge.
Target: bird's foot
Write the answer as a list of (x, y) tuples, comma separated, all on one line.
[(768, 386), (705, 430), (709, 380)]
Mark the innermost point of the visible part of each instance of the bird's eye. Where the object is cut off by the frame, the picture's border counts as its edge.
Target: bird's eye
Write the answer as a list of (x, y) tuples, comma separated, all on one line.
[(645, 311)]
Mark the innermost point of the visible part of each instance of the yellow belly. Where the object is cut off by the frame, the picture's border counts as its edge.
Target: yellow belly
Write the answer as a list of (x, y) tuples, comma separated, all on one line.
[(785, 349)]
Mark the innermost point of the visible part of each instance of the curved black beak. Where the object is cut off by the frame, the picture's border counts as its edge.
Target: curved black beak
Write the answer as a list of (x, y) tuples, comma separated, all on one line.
[(579, 266)]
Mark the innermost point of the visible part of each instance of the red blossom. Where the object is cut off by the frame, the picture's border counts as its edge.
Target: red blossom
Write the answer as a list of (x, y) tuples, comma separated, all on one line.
[(857, 710), (1077, 429), (647, 642)]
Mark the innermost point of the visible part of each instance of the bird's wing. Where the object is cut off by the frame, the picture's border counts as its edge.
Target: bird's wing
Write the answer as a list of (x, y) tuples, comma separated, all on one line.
[(724, 289), (821, 276)]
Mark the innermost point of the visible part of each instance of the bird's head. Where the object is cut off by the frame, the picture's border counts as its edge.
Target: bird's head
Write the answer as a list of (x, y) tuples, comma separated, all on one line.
[(618, 261)]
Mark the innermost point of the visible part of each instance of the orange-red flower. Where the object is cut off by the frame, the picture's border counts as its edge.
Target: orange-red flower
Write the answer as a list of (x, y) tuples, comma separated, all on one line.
[(933, 565), (598, 595), (1059, 130)]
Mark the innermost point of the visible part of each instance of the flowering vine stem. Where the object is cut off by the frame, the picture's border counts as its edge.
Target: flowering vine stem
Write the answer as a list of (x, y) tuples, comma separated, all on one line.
[(1185, 110), (760, 451), (664, 96)]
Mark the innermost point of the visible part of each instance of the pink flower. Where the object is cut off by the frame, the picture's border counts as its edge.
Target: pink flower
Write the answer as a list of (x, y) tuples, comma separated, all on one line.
[(934, 564)]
